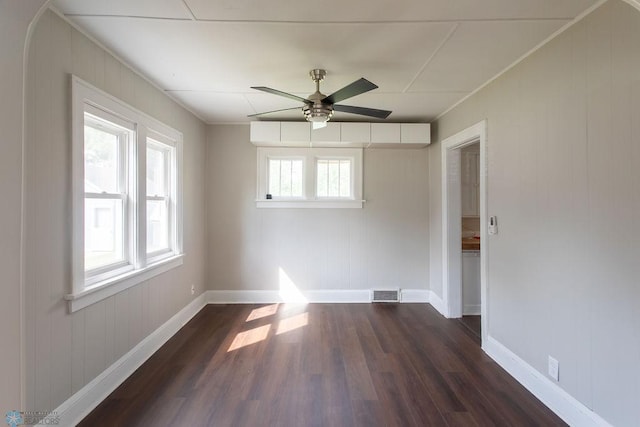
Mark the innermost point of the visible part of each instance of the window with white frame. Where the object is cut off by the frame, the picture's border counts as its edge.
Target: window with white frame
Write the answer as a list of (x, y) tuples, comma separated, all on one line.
[(127, 201), (309, 177), (286, 179), (160, 196), (107, 205), (333, 178)]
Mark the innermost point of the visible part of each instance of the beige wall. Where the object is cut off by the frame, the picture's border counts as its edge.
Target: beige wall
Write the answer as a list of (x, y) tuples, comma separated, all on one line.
[(15, 18), (564, 150), (66, 351), (385, 244)]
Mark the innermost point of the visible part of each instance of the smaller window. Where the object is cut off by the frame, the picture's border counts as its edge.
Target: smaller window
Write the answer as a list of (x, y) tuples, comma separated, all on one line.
[(333, 178), (286, 179), (314, 177)]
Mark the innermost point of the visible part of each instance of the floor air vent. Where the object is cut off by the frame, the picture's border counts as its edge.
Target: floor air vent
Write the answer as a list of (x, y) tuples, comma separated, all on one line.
[(385, 295)]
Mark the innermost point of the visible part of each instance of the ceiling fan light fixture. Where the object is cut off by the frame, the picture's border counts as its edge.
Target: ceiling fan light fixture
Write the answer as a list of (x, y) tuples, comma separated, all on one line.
[(317, 113)]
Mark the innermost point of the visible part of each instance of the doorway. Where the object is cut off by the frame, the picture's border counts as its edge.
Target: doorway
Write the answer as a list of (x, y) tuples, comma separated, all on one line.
[(452, 213)]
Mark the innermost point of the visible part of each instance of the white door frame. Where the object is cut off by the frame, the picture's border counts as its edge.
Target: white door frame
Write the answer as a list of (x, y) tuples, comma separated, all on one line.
[(451, 224)]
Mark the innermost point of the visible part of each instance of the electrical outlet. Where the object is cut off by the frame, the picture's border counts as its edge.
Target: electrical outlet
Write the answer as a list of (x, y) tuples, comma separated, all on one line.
[(554, 369), (193, 289)]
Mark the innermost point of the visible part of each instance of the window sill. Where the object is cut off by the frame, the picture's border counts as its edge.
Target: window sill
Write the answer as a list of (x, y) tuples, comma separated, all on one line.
[(115, 285), (310, 204)]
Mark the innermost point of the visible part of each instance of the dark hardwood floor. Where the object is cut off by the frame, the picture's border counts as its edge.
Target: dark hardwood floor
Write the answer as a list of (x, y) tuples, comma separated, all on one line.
[(474, 325), (321, 365)]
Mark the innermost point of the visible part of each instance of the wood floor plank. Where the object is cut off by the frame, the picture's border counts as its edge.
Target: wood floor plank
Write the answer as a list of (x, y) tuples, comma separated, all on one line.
[(321, 365)]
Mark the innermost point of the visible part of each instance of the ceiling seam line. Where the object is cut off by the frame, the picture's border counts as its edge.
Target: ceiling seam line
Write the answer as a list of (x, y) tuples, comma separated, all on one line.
[(125, 64), (193, 16), (564, 28), (432, 56), (266, 21)]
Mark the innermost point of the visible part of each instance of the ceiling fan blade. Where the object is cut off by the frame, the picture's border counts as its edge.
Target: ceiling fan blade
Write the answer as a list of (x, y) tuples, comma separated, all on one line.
[(274, 111), (372, 112), (356, 88), (281, 93)]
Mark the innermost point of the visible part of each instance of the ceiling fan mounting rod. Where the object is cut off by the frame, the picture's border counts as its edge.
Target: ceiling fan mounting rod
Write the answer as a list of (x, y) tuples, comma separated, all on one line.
[(317, 76)]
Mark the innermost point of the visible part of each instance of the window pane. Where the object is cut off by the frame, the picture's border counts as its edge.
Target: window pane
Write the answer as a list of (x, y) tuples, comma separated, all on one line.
[(285, 178), (156, 172), (296, 178), (274, 177), (323, 176), (334, 178), (157, 225), (103, 232), (101, 161), (345, 178)]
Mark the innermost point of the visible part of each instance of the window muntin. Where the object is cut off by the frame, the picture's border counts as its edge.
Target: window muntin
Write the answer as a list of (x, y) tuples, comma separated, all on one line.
[(333, 178), (286, 178)]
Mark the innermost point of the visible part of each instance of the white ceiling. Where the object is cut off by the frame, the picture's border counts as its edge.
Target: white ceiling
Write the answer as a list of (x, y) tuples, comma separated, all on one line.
[(425, 55)]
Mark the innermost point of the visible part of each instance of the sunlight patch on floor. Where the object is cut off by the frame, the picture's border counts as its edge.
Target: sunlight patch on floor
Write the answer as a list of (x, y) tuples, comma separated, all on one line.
[(249, 337), (259, 313), (292, 323)]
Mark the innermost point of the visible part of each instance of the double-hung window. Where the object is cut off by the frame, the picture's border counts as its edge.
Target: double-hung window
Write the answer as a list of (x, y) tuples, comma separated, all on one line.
[(309, 177), (160, 197), (127, 200), (107, 195)]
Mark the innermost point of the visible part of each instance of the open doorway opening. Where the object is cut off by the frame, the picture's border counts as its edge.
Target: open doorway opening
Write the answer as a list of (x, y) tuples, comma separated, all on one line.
[(470, 242), (464, 202)]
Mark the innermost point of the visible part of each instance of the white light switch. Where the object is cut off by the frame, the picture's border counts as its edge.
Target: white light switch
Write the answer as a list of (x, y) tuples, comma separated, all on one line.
[(493, 225)]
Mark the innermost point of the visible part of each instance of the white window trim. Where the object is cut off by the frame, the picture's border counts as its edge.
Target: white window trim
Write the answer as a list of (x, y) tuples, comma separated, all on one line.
[(86, 97), (310, 156)]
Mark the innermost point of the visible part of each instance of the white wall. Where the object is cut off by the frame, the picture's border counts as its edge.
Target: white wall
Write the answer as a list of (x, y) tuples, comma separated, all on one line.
[(15, 18), (564, 181), (385, 244), (65, 351)]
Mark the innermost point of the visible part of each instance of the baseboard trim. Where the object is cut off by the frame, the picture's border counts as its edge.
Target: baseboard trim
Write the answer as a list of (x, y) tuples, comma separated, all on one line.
[(316, 296), (555, 398), (415, 295), (78, 406), (437, 303)]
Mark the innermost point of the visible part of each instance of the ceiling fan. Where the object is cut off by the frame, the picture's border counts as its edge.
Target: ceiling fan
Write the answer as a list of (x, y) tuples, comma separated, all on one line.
[(318, 108)]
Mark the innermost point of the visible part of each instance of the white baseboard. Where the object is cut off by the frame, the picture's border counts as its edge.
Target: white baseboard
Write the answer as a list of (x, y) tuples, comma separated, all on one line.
[(78, 406), (437, 303), (559, 401), (316, 296), (415, 295)]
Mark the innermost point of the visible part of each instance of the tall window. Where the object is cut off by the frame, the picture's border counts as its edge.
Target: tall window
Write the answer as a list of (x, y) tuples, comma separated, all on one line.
[(126, 196), (159, 197), (106, 193)]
